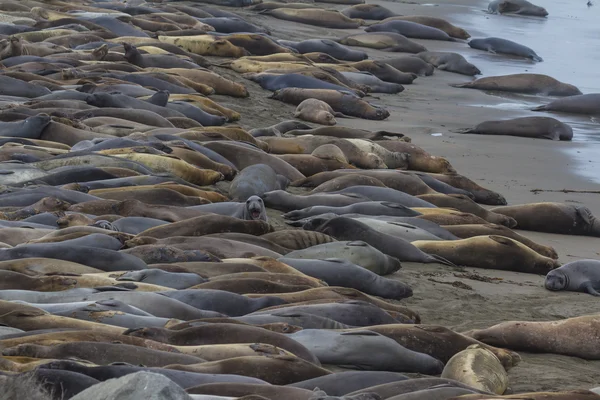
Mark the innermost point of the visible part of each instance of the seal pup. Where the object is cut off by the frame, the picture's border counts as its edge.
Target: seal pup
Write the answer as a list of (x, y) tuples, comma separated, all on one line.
[(317, 111), (576, 276), (529, 127), (498, 45)]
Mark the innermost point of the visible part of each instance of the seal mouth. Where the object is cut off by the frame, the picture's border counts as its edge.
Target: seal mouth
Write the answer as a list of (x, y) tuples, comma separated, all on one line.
[(255, 213)]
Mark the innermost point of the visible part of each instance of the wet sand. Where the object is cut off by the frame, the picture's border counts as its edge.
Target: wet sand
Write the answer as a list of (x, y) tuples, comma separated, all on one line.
[(467, 298)]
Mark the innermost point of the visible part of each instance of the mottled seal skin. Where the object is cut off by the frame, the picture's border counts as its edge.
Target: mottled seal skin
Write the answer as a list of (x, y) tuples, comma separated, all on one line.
[(342, 383), (521, 7), (529, 127), (553, 218), (500, 253), (377, 352), (451, 62), (523, 83), (410, 30), (326, 46), (587, 104), (340, 272), (576, 276), (504, 46), (564, 336)]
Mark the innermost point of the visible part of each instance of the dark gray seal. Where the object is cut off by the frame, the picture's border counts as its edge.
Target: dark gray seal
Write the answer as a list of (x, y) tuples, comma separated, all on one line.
[(576, 276), (520, 7), (175, 280), (326, 46), (410, 30), (16, 87), (364, 208), (504, 46), (588, 104), (529, 127), (134, 57), (410, 64), (343, 228), (375, 84), (365, 350), (118, 100), (303, 320), (232, 25), (123, 320), (135, 225), (228, 303), (375, 193), (285, 201), (367, 11), (341, 383), (279, 129), (252, 209), (275, 82), (451, 62), (340, 272), (256, 180), (30, 128)]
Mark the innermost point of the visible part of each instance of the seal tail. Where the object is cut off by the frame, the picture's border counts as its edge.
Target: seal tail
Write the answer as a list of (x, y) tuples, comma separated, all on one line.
[(441, 260)]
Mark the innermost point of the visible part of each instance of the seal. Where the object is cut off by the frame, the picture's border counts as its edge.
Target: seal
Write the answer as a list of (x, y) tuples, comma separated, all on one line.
[(576, 276), (340, 348), (317, 111), (529, 127), (364, 208), (467, 231), (586, 104), (384, 71), (343, 228), (248, 391), (341, 272), (252, 209), (375, 193), (519, 7), (31, 127), (503, 46), (523, 83), (250, 285), (256, 180), (401, 230), (315, 16), (465, 204), (480, 194), (342, 383), (347, 181), (318, 161), (275, 369), (302, 320), (178, 280), (219, 333), (501, 253), (439, 23), (451, 62), (375, 84), (410, 29), (479, 368), (356, 252), (368, 11), (326, 46), (383, 40), (553, 218), (410, 64), (275, 82), (553, 337), (297, 239), (340, 102)]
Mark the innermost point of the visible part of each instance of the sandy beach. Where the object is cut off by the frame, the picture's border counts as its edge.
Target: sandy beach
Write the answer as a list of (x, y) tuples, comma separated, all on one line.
[(468, 298)]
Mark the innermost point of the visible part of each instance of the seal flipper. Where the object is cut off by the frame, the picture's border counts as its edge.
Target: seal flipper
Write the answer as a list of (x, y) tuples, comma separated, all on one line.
[(439, 259), (587, 287)]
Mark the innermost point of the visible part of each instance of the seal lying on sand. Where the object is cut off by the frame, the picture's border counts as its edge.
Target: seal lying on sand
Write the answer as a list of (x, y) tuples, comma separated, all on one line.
[(521, 7), (504, 46), (576, 276), (530, 127)]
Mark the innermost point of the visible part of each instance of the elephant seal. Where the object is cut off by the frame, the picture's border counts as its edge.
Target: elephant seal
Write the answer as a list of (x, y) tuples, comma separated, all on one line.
[(552, 218), (342, 383), (294, 239), (302, 320), (576, 276), (451, 62), (220, 333), (401, 230), (285, 201), (340, 348), (246, 391), (279, 129), (519, 7), (503, 46), (523, 83), (343, 228), (529, 127), (553, 337), (439, 23), (480, 194), (256, 180), (275, 82), (375, 193), (340, 272), (102, 353), (365, 208), (357, 252), (410, 29), (326, 46), (467, 231), (31, 127), (587, 104), (156, 276), (315, 16), (410, 64), (317, 111), (465, 204), (367, 11), (479, 368), (384, 40), (500, 253), (375, 84), (252, 209), (347, 182), (340, 102)]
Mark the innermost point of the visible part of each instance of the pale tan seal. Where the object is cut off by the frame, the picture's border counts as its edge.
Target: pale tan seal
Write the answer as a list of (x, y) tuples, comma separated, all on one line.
[(317, 111)]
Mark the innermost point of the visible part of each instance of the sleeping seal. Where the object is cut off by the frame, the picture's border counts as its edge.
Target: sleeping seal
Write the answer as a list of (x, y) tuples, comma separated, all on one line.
[(576, 276)]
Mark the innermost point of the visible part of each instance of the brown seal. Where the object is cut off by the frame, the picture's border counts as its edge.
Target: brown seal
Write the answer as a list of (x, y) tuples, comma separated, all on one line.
[(294, 239), (46, 266), (490, 252), (465, 204), (419, 159), (523, 83), (439, 23), (317, 111), (250, 285), (209, 269), (347, 181), (481, 194)]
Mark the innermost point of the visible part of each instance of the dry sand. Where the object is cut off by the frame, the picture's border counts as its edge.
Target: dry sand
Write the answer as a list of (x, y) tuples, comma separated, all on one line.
[(468, 298)]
